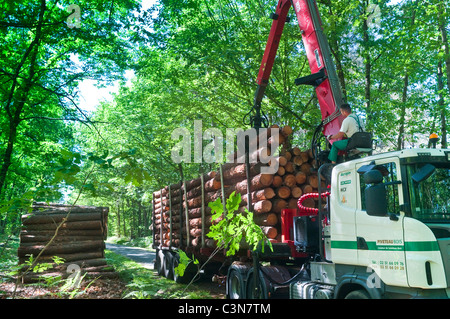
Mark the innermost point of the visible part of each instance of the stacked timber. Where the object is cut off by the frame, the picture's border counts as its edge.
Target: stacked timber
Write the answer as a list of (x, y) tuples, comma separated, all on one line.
[(182, 217), (79, 241)]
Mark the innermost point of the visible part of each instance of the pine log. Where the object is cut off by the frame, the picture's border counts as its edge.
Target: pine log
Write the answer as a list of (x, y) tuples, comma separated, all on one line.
[(306, 188), (267, 219), (287, 155), (263, 206), (282, 160), (277, 181), (44, 218), (296, 151), (79, 225), (278, 205), (313, 180), (197, 222), (210, 243), (305, 156), (45, 208), (60, 248), (63, 232), (265, 193), (306, 168), (298, 160), (260, 207), (289, 167), (269, 231), (258, 182), (24, 238), (283, 192), (292, 203), (286, 130), (296, 191), (280, 139), (289, 180), (238, 172), (300, 178), (281, 171), (195, 232), (309, 202)]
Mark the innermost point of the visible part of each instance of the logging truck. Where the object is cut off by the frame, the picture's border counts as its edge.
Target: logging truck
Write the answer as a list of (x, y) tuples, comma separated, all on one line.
[(372, 226)]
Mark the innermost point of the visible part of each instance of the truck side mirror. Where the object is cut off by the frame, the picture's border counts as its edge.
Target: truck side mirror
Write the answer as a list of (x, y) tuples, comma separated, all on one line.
[(423, 173), (375, 195)]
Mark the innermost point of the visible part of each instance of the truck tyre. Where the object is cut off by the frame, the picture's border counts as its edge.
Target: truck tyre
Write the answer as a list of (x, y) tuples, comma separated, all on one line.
[(189, 272), (160, 262), (175, 261), (358, 294), (168, 265), (236, 281), (263, 287), (157, 263)]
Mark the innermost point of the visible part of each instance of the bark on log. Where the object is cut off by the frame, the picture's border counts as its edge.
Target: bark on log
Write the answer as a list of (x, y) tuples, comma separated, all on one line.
[(63, 232), (24, 238), (80, 225), (60, 248), (278, 205), (269, 231), (44, 218), (268, 219)]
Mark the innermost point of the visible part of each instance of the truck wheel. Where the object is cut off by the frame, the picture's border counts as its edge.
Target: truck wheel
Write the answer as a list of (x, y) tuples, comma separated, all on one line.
[(175, 261), (263, 287), (160, 263), (157, 263), (236, 281), (189, 272), (168, 265), (358, 294)]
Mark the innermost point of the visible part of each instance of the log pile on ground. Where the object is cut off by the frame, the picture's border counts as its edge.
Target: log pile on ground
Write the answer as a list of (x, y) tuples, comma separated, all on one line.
[(270, 193), (79, 241)]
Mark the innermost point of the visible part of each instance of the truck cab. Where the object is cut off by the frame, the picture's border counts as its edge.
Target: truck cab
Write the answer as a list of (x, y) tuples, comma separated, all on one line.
[(389, 224)]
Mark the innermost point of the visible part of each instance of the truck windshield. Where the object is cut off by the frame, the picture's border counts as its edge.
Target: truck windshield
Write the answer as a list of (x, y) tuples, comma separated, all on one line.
[(430, 198)]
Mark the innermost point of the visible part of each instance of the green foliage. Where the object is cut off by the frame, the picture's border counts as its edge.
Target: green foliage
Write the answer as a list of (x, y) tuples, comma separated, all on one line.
[(184, 262), (235, 228), (193, 60), (145, 284)]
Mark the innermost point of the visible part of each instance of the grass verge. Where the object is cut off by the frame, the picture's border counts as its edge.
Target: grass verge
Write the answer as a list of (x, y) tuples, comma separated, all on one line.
[(143, 283)]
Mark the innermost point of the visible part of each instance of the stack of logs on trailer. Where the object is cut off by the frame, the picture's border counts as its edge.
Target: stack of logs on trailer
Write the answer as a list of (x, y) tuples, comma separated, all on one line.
[(79, 241), (270, 194)]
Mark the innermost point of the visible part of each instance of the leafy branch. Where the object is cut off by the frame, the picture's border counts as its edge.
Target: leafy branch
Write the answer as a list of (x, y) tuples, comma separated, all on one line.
[(235, 229), (229, 233)]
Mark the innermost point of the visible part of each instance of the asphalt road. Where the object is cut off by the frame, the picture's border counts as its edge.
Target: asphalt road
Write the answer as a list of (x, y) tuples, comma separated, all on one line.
[(140, 255)]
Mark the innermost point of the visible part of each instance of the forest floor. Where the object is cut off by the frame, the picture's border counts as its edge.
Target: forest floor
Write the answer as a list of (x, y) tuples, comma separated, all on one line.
[(136, 279)]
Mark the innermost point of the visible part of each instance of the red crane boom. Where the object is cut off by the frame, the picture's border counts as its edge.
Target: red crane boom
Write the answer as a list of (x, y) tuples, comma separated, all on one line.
[(323, 77)]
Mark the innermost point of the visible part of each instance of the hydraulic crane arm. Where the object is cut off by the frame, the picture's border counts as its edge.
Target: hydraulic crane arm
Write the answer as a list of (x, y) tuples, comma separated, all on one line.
[(323, 77)]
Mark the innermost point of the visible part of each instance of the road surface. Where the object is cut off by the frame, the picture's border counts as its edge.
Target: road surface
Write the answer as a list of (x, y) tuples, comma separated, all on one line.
[(143, 256)]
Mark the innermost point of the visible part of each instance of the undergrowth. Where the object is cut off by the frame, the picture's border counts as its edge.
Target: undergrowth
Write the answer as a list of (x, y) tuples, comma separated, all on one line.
[(143, 283)]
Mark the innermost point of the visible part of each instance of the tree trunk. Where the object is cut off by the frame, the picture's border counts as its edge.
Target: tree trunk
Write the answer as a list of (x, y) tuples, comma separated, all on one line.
[(401, 132), (21, 98), (444, 39), (441, 104)]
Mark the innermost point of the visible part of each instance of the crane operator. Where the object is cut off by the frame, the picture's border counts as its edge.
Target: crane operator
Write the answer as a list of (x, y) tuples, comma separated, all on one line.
[(350, 125)]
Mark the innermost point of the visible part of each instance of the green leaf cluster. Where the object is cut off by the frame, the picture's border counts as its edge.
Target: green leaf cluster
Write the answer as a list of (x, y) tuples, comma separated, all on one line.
[(235, 228)]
